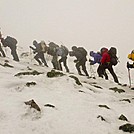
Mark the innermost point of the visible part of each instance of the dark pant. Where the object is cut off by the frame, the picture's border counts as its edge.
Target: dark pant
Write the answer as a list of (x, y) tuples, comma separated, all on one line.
[(55, 62), (38, 56), (64, 60), (110, 69), (102, 72), (81, 64), (14, 53), (1, 50)]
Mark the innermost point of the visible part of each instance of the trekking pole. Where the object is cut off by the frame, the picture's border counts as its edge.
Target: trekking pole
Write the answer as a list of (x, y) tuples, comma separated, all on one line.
[(31, 55), (129, 76)]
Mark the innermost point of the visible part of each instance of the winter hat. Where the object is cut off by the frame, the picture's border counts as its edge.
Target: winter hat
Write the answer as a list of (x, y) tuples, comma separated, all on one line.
[(74, 48)]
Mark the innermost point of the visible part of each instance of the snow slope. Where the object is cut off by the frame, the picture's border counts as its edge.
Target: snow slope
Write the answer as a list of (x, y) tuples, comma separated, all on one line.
[(76, 108)]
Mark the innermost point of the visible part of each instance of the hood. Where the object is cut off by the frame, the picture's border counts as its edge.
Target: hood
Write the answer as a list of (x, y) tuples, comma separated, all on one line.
[(104, 50), (92, 53)]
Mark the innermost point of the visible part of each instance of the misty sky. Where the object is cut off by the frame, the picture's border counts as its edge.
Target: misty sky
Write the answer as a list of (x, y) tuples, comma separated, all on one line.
[(89, 23)]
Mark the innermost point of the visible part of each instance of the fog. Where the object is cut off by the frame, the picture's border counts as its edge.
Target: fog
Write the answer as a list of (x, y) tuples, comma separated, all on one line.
[(89, 23)]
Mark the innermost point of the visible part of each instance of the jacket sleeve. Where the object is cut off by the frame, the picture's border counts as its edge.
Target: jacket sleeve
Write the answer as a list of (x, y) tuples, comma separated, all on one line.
[(3, 42)]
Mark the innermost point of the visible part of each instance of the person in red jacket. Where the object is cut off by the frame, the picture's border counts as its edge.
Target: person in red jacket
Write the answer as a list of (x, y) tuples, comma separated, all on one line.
[(105, 64)]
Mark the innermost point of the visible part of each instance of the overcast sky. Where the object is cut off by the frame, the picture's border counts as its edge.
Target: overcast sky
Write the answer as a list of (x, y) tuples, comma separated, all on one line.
[(89, 23)]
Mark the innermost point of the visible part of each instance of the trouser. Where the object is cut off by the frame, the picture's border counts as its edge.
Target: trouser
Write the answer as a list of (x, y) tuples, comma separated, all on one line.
[(55, 62), (110, 69), (14, 53), (81, 64), (64, 60), (1, 50), (40, 55), (102, 72), (130, 65)]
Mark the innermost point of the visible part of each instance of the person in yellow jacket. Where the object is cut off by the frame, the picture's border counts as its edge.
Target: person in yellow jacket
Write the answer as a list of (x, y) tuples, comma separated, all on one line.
[(131, 57)]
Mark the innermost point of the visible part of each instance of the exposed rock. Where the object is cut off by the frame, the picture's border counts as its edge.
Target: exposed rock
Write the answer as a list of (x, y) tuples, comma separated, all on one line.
[(89, 82), (104, 106), (29, 68), (49, 105), (25, 54), (122, 117), (54, 73), (97, 86), (126, 100), (127, 128), (99, 116), (28, 84), (33, 105), (6, 65), (6, 61), (29, 73), (81, 91), (117, 90), (76, 79)]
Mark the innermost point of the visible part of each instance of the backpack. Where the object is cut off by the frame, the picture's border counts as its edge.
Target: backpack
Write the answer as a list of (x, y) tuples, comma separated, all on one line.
[(83, 51), (113, 58), (52, 49), (65, 49), (43, 46), (131, 56), (10, 40)]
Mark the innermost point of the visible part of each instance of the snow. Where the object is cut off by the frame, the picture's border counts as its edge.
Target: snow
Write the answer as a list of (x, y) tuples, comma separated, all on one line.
[(76, 107)]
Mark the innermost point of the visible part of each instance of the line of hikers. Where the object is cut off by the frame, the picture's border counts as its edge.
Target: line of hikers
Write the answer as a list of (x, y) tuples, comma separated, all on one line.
[(105, 58), (11, 43)]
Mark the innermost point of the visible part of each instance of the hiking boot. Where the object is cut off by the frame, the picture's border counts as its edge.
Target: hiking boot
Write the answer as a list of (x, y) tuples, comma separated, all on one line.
[(46, 65), (81, 74), (40, 63)]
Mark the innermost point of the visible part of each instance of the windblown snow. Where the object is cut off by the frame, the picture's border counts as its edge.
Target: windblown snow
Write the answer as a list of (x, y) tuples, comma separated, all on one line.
[(65, 107)]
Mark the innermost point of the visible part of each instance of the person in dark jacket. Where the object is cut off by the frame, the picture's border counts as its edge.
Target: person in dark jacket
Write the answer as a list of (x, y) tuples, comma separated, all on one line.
[(7, 42), (105, 64), (1, 50), (40, 49), (97, 59), (52, 50), (80, 60), (63, 52)]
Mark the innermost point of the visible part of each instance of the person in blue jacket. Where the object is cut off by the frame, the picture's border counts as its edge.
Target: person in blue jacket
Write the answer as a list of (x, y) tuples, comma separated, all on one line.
[(96, 59)]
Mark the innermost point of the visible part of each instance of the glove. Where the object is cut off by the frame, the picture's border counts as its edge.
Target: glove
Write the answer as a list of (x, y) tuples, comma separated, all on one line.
[(34, 52), (75, 61), (30, 47), (90, 60)]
